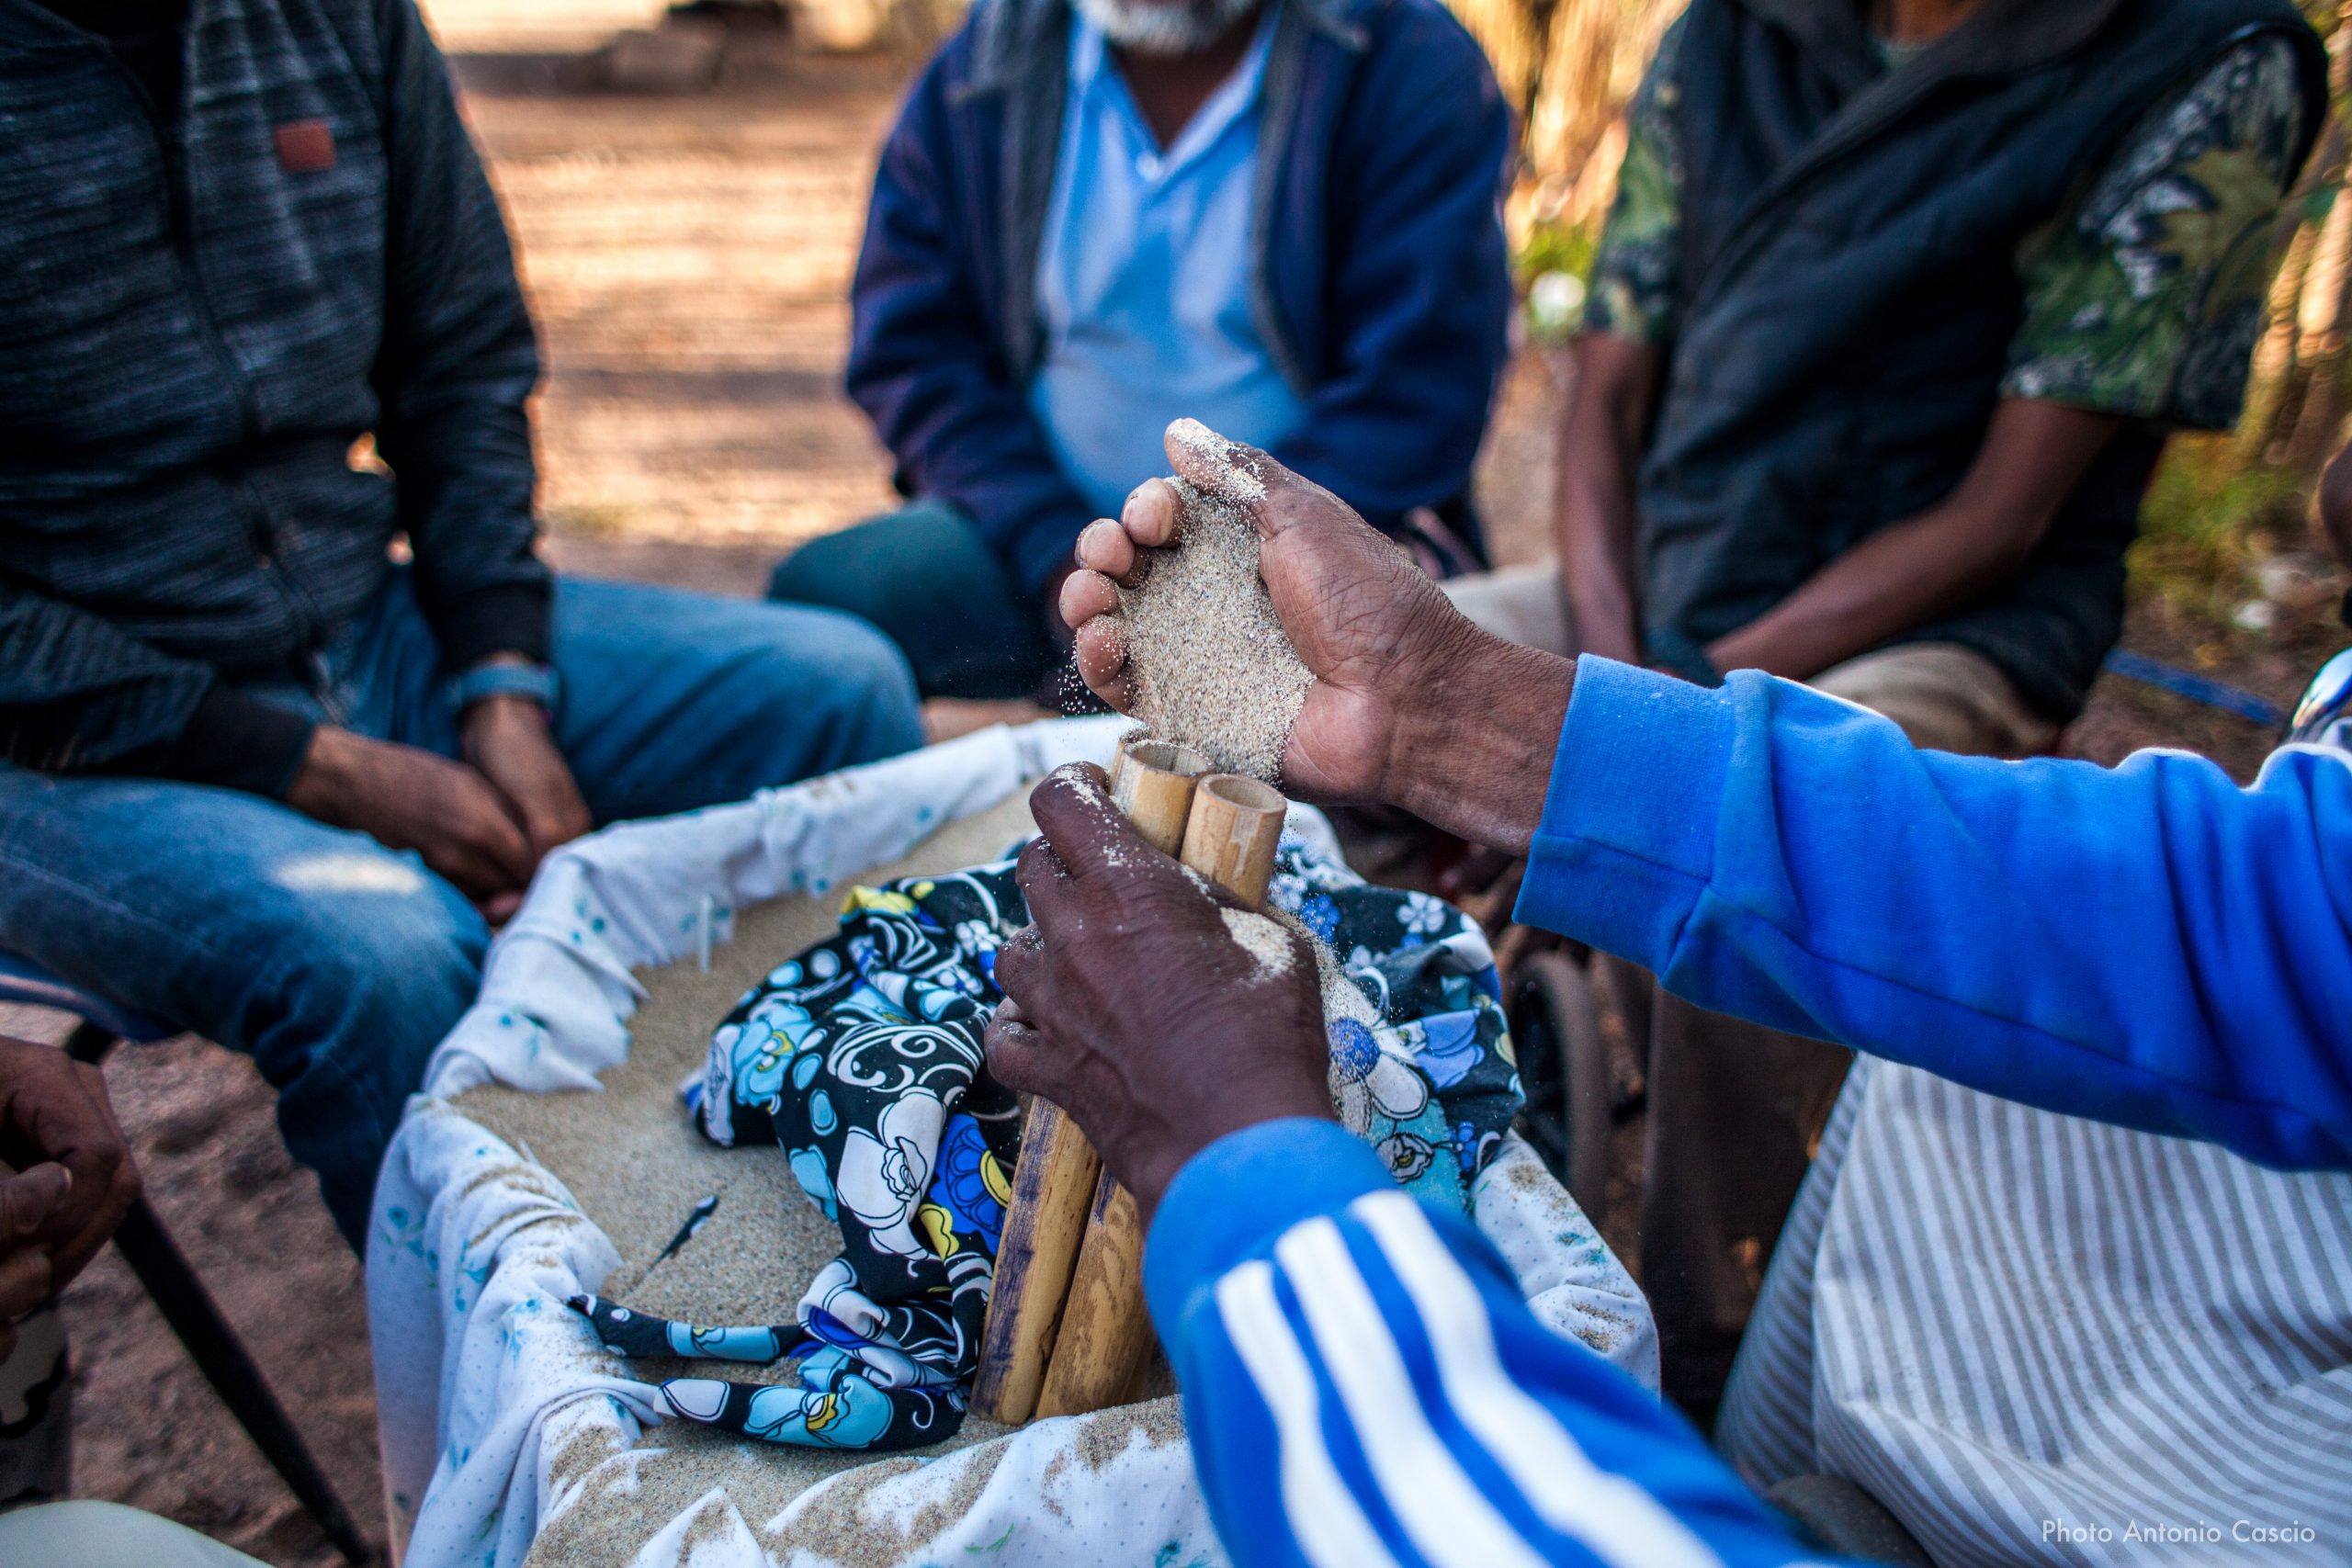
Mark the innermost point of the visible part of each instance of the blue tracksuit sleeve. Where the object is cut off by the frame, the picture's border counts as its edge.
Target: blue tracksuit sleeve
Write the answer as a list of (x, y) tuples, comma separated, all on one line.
[(1364, 1385), (2148, 945)]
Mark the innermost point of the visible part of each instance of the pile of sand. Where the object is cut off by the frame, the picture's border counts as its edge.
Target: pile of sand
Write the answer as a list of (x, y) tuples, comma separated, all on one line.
[(1212, 666), (638, 1166)]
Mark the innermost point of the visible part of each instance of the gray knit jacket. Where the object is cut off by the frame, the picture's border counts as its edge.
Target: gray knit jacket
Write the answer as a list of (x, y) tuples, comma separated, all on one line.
[(198, 322)]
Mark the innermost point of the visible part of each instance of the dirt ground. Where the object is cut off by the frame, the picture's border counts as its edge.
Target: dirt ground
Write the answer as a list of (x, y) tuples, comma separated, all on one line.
[(687, 257)]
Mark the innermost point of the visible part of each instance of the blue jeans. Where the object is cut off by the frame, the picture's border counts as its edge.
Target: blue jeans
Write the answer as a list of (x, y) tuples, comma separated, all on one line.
[(337, 963), (927, 579)]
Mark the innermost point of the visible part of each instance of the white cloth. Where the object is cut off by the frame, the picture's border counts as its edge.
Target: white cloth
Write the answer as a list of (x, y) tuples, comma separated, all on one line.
[(483, 1375)]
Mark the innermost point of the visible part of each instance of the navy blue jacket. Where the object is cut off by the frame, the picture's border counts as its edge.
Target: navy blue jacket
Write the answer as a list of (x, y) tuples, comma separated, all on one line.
[(1380, 282)]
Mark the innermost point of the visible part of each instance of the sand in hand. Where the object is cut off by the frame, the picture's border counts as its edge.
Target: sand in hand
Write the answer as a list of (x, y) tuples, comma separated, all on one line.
[(1212, 667)]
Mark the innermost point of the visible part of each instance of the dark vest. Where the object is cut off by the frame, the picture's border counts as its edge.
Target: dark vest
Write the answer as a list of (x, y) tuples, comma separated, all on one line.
[(1849, 291)]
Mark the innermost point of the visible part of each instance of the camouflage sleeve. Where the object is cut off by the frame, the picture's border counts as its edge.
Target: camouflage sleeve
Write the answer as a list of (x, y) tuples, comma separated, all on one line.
[(1635, 270), (2145, 299)]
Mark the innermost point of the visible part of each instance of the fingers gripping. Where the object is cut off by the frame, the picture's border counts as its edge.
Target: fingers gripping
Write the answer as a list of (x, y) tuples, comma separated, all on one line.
[(1109, 550), (1019, 962), (1018, 1056), (28, 1201), (1086, 833)]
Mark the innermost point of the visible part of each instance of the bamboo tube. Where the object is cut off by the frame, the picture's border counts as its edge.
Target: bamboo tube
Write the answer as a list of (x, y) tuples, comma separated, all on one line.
[(1105, 1334), (1119, 756), (1154, 787), (1053, 1185), (1059, 1173), (1235, 827), (1105, 1331)]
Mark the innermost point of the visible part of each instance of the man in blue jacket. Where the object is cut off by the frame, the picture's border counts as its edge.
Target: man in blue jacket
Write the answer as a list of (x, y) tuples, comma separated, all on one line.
[(1278, 216), (2149, 946), (260, 332)]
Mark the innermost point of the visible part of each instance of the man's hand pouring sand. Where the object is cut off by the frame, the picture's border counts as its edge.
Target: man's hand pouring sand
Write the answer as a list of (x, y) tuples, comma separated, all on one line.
[(1412, 705)]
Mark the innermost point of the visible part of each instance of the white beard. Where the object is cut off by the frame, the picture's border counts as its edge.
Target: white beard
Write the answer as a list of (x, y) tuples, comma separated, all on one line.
[(1165, 27)]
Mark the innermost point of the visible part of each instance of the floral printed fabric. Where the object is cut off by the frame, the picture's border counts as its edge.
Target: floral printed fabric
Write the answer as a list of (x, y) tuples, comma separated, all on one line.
[(861, 1057), (2146, 300)]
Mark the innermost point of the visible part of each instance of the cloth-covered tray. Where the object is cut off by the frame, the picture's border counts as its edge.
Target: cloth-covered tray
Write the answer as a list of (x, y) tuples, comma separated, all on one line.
[(510, 1435)]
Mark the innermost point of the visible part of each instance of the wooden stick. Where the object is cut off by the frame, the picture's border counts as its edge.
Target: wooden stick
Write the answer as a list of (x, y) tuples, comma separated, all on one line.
[(1105, 1331), (1059, 1173), (1053, 1185), (1235, 828), (1105, 1334)]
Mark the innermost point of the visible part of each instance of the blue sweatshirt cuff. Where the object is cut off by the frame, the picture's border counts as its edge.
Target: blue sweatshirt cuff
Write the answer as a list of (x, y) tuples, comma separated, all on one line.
[(1236, 1196), (1627, 841)]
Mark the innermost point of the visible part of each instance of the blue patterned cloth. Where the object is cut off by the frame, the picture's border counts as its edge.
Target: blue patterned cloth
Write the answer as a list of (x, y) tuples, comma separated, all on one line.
[(862, 1058)]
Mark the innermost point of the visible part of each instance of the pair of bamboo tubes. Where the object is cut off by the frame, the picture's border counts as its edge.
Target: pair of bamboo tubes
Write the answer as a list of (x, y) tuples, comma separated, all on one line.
[(1066, 1329)]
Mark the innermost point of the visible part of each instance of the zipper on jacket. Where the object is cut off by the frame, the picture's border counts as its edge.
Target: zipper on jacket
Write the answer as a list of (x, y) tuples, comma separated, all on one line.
[(172, 152)]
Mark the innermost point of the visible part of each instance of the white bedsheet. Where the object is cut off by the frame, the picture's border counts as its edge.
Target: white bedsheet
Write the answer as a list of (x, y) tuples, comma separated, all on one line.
[(483, 1374)]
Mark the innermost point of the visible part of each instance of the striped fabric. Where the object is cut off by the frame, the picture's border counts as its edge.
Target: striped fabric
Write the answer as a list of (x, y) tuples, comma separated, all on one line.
[(2042, 1340), (1365, 1385)]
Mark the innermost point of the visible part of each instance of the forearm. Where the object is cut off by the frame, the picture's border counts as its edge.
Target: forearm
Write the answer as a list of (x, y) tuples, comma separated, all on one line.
[(1904, 575), (2137, 945), (1593, 506), (1899, 578), (1285, 1263), (77, 696), (1474, 744)]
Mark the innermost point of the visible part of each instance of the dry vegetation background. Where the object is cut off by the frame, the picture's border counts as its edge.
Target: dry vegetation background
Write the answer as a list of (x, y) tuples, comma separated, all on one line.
[(687, 256)]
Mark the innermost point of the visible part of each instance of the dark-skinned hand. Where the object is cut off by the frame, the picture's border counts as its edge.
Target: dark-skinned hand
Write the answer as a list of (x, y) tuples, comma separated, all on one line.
[(1412, 705), (407, 798), (1131, 1005), (509, 740), (66, 1178)]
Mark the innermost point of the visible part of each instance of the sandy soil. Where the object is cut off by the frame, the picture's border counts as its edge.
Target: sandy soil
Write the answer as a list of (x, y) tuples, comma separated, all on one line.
[(687, 259)]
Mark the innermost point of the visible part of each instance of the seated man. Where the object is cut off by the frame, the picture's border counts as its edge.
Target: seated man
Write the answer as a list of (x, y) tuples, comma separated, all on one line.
[(1894, 311), (1280, 216), (260, 781), (2090, 1322)]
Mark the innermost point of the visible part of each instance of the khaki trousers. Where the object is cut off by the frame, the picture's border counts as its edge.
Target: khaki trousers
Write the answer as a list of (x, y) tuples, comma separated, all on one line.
[(1735, 1110)]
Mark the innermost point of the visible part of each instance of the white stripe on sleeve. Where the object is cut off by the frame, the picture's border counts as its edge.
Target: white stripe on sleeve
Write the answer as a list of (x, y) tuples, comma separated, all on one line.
[(1449, 1520), (1621, 1523), (1331, 1531)]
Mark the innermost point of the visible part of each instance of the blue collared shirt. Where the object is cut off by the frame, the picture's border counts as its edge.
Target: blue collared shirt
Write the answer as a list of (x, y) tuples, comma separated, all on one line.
[(1142, 279)]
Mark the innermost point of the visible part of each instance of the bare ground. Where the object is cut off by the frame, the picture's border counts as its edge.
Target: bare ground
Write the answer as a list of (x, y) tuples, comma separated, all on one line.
[(687, 257)]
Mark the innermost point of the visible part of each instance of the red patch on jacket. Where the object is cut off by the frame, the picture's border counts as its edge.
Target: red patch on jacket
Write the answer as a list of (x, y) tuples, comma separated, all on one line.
[(305, 146)]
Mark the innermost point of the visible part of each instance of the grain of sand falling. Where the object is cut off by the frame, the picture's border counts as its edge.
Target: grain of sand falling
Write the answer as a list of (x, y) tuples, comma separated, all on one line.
[(1212, 666)]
